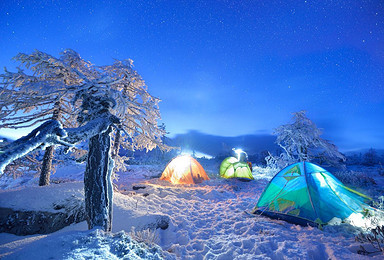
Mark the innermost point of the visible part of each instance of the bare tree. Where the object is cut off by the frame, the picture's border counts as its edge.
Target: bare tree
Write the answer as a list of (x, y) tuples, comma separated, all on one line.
[(107, 98)]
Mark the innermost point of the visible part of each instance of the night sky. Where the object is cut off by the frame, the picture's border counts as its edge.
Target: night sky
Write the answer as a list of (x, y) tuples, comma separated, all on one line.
[(227, 67)]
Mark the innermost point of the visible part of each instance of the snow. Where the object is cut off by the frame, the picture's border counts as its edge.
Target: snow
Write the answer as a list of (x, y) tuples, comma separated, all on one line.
[(206, 221), (79, 245), (40, 198)]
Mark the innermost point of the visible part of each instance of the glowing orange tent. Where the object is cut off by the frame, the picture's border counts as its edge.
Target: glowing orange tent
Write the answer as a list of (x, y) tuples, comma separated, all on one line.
[(184, 170)]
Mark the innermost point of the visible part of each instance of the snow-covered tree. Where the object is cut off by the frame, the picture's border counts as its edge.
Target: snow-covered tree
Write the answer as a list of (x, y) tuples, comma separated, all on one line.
[(107, 98), (27, 100), (301, 141)]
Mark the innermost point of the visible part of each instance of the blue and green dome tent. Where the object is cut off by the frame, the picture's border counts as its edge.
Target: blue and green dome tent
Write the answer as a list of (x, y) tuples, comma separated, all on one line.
[(306, 194)]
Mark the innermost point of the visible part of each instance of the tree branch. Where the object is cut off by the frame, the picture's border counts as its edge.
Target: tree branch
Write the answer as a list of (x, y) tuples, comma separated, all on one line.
[(52, 133)]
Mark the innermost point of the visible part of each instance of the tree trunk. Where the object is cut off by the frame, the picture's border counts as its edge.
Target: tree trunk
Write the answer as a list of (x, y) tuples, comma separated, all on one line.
[(116, 145), (97, 182), (46, 167)]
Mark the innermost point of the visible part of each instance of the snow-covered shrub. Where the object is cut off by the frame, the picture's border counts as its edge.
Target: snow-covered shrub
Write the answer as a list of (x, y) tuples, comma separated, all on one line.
[(146, 236), (279, 162), (374, 234), (100, 245), (379, 203), (375, 237), (266, 172), (154, 157), (73, 207), (355, 178)]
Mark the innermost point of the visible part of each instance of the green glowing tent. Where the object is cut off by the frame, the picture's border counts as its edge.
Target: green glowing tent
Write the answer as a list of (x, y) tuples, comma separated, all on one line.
[(233, 168), (306, 194)]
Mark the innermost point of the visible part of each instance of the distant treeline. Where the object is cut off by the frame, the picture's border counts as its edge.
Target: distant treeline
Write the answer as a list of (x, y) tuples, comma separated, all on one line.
[(369, 158)]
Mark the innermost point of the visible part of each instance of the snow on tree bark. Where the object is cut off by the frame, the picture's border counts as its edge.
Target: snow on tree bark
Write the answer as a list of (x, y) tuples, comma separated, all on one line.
[(97, 182)]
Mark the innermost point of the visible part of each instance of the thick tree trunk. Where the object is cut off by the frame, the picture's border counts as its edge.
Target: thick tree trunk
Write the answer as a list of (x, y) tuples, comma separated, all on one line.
[(46, 167), (97, 182)]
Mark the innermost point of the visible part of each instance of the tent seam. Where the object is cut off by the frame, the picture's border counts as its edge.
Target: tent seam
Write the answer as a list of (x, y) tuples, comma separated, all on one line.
[(309, 193), (336, 193)]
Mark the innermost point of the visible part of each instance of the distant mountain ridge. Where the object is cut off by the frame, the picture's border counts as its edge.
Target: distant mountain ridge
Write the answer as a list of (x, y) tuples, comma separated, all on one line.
[(217, 145)]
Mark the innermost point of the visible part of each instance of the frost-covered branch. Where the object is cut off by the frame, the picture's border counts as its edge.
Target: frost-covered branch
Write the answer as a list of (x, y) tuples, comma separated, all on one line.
[(48, 133), (92, 128), (52, 133)]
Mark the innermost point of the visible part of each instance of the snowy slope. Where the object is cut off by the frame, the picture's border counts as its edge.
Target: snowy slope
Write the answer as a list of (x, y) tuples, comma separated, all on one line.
[(206, 221)]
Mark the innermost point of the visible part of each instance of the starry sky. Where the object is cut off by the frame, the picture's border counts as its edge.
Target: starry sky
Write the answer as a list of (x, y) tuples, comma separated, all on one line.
[(227, 68)]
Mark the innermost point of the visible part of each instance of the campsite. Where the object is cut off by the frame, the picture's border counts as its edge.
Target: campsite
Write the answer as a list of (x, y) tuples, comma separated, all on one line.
[(208, 220)]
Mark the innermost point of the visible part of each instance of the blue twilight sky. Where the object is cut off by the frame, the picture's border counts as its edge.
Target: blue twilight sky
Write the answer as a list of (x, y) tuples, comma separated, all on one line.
[(227, 67)]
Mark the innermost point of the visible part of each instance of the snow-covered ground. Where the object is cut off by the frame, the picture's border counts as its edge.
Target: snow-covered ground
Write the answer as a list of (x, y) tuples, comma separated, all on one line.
[(206, 221)]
